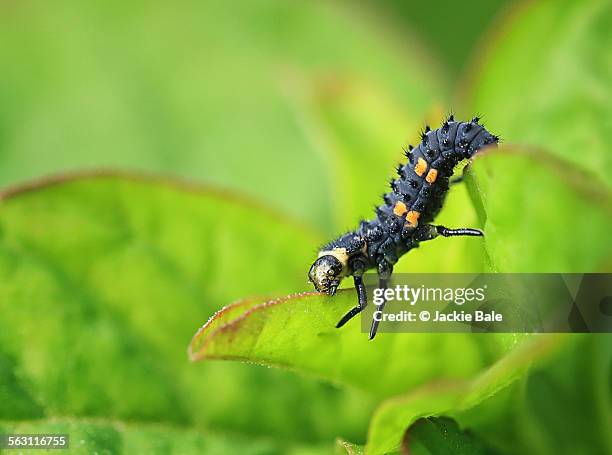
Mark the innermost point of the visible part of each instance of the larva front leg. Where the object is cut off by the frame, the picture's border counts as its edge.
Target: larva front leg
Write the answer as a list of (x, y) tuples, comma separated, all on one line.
[(362, 297), (385, 269)]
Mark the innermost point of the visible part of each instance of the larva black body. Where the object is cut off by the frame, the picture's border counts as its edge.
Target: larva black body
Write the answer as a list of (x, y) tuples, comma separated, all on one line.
[(403, 221)]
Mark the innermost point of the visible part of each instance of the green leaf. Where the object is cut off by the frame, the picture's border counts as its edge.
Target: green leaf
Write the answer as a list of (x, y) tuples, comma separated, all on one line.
[(452, 398), (550, 395), (545, 81), (103, 279), (540, 213), (564, 405), (197, 89), (438, 436), (298, 332)]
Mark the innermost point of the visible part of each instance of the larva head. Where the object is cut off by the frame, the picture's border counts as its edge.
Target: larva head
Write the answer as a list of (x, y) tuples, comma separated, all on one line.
[(326, 274)]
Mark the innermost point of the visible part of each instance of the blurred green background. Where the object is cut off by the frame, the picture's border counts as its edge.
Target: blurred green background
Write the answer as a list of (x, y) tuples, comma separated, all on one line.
[(225, 94), (210, 147)]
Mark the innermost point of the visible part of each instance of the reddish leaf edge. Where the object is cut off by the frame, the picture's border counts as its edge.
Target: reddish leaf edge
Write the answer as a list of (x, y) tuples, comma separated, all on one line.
[(197, 348)]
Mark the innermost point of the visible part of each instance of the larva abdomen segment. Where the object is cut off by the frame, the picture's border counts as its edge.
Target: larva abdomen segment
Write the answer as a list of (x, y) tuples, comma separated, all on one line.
[(418, 193)]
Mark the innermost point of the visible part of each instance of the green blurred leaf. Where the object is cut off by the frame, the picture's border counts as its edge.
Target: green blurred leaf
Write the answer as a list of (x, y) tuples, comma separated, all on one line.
[(196, 89), (298, 332), (563, 406), (439, 436), (540, 214), (550, 395), (545, 80), (452, 398), (102, 281)]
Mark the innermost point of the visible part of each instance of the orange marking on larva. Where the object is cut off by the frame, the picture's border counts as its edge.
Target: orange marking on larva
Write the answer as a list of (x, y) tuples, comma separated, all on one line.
[(432, 175), (400, 208), (420, 167), (412, 218)]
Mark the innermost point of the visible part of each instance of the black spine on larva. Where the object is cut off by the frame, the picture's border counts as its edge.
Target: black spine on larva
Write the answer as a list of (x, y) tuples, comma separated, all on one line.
[(441, 150)]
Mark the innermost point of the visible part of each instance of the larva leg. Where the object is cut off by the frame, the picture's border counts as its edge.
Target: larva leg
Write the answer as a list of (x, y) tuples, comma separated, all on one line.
[(430, 231), (362, 302), (358, 268), (384, 274), (446, 232)]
